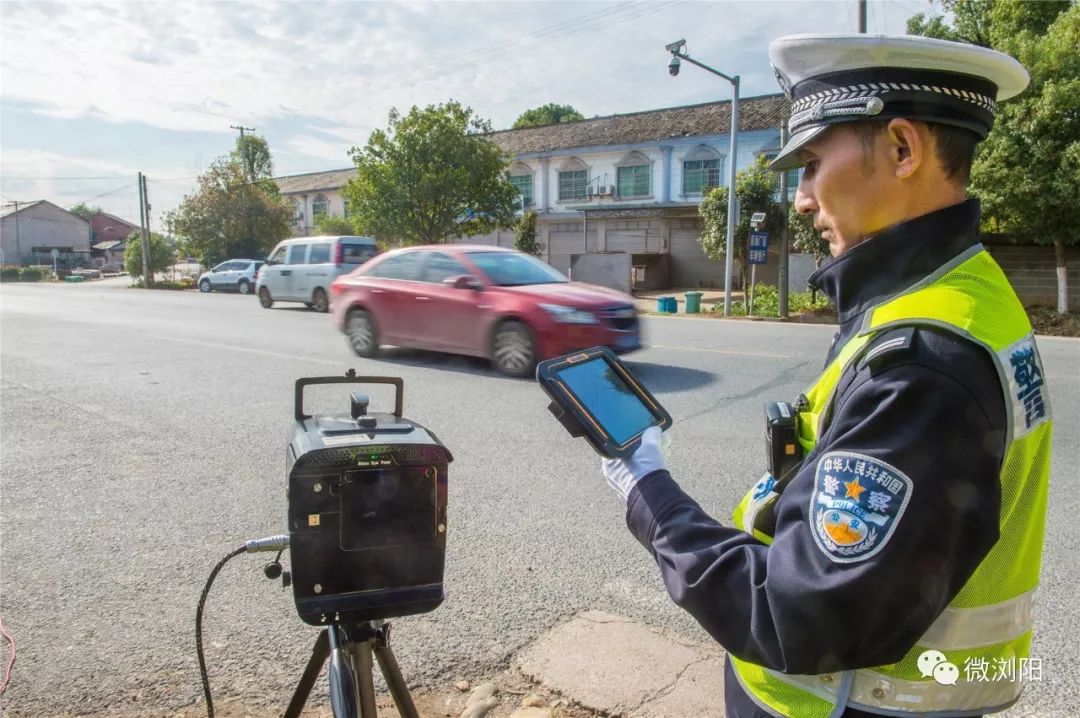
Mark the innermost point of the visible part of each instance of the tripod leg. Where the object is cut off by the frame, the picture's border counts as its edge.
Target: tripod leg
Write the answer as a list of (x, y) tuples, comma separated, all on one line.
[(311, 673), (402, 699), (364, 679)]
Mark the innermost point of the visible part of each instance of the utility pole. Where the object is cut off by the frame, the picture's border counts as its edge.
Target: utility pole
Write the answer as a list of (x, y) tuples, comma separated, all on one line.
[(862, 16), (785, 233), (247, 166), (144, 218), (243, 147)]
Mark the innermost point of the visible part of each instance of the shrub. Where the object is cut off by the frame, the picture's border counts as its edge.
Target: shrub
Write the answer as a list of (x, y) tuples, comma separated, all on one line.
[(9, 274), (169, 285), (30, 275), (767, 303), (186, 283)]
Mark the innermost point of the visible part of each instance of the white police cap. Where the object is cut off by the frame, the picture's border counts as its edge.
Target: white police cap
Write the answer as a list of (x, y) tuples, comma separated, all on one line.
[(844, 78)]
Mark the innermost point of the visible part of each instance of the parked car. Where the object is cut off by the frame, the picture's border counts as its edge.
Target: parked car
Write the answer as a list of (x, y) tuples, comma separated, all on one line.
[(481, 301), (301, 269), (234, 275)]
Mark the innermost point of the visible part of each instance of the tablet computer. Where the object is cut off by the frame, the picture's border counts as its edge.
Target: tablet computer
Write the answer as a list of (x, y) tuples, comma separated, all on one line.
[(594, 395)]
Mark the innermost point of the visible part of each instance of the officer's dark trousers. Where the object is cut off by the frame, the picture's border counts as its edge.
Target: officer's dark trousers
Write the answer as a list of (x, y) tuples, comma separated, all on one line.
[(739, 705)]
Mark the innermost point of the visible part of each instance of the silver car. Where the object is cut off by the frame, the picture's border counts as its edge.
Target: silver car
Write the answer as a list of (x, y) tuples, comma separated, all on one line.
[(234, 275)]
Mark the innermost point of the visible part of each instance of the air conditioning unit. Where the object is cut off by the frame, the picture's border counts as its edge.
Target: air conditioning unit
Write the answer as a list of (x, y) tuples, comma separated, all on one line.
[(607, 189), (591, 191)]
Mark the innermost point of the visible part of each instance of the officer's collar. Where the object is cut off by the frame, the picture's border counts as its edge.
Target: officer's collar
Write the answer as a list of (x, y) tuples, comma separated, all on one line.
[(892, 261)]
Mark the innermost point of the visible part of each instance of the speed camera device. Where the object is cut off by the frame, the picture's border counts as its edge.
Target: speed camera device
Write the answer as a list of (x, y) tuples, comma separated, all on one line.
[(367, 510), (595, 396)]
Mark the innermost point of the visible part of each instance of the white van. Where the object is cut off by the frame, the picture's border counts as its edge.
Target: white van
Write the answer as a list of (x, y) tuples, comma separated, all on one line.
[(301, 269)]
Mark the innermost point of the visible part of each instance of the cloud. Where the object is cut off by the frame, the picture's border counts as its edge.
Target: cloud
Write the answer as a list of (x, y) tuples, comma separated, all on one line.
[(197, 66)]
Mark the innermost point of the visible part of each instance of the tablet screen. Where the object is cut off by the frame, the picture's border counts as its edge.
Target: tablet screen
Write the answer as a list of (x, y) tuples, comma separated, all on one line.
[(605, 395)]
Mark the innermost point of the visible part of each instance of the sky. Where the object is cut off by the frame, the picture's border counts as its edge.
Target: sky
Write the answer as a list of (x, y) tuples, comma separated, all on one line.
[(91, 94)]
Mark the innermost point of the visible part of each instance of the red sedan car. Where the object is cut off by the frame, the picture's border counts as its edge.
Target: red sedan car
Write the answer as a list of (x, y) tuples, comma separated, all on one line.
[(482, 301)]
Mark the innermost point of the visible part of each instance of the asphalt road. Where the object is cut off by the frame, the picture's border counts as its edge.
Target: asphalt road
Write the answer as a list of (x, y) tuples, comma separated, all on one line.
[(144, 435)]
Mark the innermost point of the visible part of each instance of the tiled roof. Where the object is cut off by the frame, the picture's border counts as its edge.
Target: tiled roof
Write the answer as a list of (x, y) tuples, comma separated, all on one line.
[(712, 118), (315, 181)]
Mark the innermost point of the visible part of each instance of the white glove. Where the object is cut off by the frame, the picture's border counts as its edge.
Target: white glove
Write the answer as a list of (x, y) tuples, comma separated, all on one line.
[(650, 456)]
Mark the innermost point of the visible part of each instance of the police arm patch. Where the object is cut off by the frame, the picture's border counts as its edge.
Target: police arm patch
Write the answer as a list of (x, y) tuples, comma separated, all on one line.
[(856, 505)]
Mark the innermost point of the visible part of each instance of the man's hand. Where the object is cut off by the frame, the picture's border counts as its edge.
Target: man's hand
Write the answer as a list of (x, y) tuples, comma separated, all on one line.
[(623, 474)]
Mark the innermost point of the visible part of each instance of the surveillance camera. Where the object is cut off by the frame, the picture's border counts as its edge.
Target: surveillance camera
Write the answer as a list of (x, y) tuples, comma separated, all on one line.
[(676, 46), (673, 66)]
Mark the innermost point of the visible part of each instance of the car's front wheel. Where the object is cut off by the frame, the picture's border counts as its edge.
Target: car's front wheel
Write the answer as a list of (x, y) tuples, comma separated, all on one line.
[(265, 299), (244, 287), (318, 301), (513, 351), (204, 285), (361, 333)]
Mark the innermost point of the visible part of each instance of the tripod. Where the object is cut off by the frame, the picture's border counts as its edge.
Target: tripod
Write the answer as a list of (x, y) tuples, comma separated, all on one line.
[(350, 646)]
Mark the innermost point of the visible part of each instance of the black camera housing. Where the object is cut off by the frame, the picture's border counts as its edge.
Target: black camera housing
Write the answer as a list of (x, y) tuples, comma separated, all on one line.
[(367, 511)]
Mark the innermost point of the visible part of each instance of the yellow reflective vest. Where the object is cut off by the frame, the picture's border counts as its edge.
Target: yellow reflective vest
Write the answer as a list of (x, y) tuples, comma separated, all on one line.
[(989, 622)]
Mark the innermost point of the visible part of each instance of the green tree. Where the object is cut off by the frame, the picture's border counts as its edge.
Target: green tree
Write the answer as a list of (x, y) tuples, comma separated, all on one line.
[(161, 254), (549, 114), (234, 212), (331, 225), (431, 175), (525, 235), (84, 210), (807, 240), (755, 191), (252, 152), (1027, 172)]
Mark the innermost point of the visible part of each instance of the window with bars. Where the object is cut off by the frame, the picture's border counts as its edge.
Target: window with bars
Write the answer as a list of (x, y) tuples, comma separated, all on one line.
[(524, 184), (633, 181), (572, 184), (319, 206), (700, 175)]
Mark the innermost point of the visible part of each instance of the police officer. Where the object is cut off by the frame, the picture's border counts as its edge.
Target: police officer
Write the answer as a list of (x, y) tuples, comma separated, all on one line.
[(893, 572)]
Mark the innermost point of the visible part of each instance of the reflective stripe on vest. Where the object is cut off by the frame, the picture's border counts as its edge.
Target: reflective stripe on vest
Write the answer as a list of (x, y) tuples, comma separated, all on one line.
[(990, 619)]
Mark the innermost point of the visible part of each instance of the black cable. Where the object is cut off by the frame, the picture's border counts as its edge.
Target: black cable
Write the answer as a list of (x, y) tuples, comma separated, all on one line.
[(198, 628)]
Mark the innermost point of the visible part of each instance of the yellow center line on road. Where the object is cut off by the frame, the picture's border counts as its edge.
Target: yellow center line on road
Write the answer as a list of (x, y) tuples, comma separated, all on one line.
[(723, 351), (263, 352)]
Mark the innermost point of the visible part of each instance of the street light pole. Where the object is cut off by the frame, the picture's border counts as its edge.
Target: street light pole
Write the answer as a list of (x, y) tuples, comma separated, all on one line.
[(677, 53)]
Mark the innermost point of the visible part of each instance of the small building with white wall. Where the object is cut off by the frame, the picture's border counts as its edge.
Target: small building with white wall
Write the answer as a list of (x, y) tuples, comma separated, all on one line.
[(30, 231)]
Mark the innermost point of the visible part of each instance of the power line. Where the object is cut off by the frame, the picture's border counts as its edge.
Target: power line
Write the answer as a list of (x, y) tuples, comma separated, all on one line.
[(72, 179), (105, 194)]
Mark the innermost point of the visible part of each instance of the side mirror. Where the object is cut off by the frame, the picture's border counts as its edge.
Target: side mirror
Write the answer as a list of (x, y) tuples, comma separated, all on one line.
[(464, 281)]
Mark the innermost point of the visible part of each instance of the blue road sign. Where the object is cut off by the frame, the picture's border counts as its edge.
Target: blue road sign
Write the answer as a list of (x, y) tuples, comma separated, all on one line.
[(759, 247)]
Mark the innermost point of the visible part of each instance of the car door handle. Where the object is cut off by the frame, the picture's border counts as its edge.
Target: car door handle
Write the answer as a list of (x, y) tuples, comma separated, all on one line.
[(423, 299), (286, 272), (378, 291)]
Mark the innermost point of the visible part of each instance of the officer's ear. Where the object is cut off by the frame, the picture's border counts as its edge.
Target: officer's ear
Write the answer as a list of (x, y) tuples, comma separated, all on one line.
[(907, 143)]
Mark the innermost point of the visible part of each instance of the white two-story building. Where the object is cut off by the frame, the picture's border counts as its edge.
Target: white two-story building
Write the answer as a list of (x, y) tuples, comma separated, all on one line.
[(618, 184)]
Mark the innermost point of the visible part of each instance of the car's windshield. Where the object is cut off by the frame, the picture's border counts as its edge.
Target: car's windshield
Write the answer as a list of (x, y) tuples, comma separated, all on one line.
[(510, 269)]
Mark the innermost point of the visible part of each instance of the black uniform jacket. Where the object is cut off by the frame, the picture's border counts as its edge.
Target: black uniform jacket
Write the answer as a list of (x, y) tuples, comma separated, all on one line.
[(933, 409)]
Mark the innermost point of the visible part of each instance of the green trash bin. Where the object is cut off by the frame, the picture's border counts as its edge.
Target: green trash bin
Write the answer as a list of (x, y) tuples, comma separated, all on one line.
[(693, 302)]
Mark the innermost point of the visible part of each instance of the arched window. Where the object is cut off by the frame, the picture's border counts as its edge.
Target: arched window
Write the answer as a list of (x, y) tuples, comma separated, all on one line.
[(634, 176), (573, 179), (522, 178), (701, 170), (319, 206)]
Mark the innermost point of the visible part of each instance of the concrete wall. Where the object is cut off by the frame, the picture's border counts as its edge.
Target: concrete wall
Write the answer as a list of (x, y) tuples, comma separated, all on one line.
[(607, 270), (1032, 271), (43, 226)]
